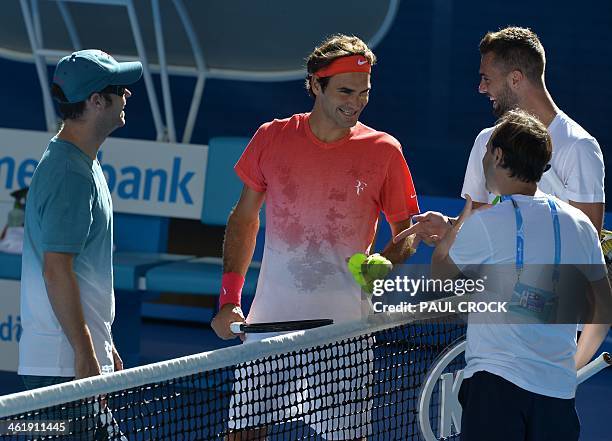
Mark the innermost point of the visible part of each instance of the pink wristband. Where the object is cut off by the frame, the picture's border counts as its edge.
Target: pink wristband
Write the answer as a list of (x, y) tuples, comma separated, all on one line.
[(231, 289)]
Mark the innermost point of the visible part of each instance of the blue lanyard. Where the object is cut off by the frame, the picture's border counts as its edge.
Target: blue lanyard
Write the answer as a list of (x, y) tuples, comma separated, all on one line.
[(520, 237)]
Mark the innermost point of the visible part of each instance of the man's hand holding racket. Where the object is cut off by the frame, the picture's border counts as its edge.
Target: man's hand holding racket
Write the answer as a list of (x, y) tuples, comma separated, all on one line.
[(227, 315), (270, 327)]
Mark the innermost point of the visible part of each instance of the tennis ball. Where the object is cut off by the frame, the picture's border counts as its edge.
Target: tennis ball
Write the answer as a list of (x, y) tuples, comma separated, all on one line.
[(355, 267), (377, 267), (360, 280), (355, 262)]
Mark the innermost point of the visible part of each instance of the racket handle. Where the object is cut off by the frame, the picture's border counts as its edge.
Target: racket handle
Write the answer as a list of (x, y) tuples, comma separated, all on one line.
[(236, 327), (600, 363)]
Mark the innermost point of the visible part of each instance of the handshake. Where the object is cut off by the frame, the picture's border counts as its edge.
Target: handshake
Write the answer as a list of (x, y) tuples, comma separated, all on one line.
[(367, 269)]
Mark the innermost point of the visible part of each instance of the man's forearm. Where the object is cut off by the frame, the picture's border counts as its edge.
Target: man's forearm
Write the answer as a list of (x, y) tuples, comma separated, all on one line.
[(399, 252), (594, 211), (590, 339), (239, 244), (442, 267), (477, 205), (64, 296)]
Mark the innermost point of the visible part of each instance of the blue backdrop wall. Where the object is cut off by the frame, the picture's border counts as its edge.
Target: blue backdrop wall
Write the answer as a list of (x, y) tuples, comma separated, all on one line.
[(424, 87)]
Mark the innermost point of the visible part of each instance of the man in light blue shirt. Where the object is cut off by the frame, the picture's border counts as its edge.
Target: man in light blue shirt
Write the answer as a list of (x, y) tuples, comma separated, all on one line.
[(521, 378), (67, 299)]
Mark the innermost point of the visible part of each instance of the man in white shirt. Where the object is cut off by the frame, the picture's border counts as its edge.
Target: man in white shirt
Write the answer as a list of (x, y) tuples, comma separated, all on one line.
[(512, 76), (521, 378), (512, 69)]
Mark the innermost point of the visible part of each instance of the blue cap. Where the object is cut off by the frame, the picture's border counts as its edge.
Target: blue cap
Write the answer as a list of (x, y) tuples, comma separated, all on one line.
[(85, 72)]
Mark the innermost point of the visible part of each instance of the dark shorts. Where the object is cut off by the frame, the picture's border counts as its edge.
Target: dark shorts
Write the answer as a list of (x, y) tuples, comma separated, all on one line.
[(35, 381), (496, 409)]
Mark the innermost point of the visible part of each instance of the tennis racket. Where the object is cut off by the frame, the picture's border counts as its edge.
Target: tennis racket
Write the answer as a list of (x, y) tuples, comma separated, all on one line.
[(296, 325), (606, 246), (595, 366)]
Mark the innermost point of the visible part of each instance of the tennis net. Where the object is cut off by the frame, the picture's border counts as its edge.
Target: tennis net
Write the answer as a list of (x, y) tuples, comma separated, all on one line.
[(350, 381)]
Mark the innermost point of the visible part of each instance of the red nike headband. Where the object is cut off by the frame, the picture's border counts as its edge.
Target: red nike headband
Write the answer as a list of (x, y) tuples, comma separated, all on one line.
[(353, 63)]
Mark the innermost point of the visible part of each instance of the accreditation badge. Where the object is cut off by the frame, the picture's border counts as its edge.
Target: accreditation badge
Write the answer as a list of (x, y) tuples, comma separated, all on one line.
[(533, 302)]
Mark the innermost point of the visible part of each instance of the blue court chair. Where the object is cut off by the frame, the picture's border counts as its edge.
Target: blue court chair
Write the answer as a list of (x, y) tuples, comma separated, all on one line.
[(10, 266), (221, 192)]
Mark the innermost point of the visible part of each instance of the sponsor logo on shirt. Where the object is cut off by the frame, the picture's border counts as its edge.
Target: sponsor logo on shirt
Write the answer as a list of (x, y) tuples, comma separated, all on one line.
[(360, 186)]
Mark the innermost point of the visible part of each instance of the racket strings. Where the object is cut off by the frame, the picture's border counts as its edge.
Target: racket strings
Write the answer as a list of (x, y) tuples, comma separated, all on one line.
[(606, 244)]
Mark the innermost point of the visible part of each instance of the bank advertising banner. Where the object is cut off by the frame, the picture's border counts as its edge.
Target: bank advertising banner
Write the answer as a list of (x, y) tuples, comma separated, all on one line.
[(144, 177), (10, 325)]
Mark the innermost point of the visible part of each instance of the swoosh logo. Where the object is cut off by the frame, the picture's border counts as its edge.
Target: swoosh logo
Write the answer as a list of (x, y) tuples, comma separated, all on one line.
[(361, 62), (413, 196), (224, 292)]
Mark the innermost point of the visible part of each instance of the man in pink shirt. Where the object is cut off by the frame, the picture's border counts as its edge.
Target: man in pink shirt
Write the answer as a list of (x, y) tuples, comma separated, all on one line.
[(325, 177)]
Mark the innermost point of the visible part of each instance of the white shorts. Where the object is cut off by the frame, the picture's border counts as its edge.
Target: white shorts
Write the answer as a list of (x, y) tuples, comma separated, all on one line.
[(330, 390)]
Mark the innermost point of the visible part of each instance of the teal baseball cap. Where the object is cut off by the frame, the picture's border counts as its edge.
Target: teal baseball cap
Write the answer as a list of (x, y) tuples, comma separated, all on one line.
[(85, 72)]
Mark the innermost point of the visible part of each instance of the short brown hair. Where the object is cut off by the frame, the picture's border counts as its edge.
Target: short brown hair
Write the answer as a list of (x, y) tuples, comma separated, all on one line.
[(516, 49), (73, 110), (335, 46), (525, 144)]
